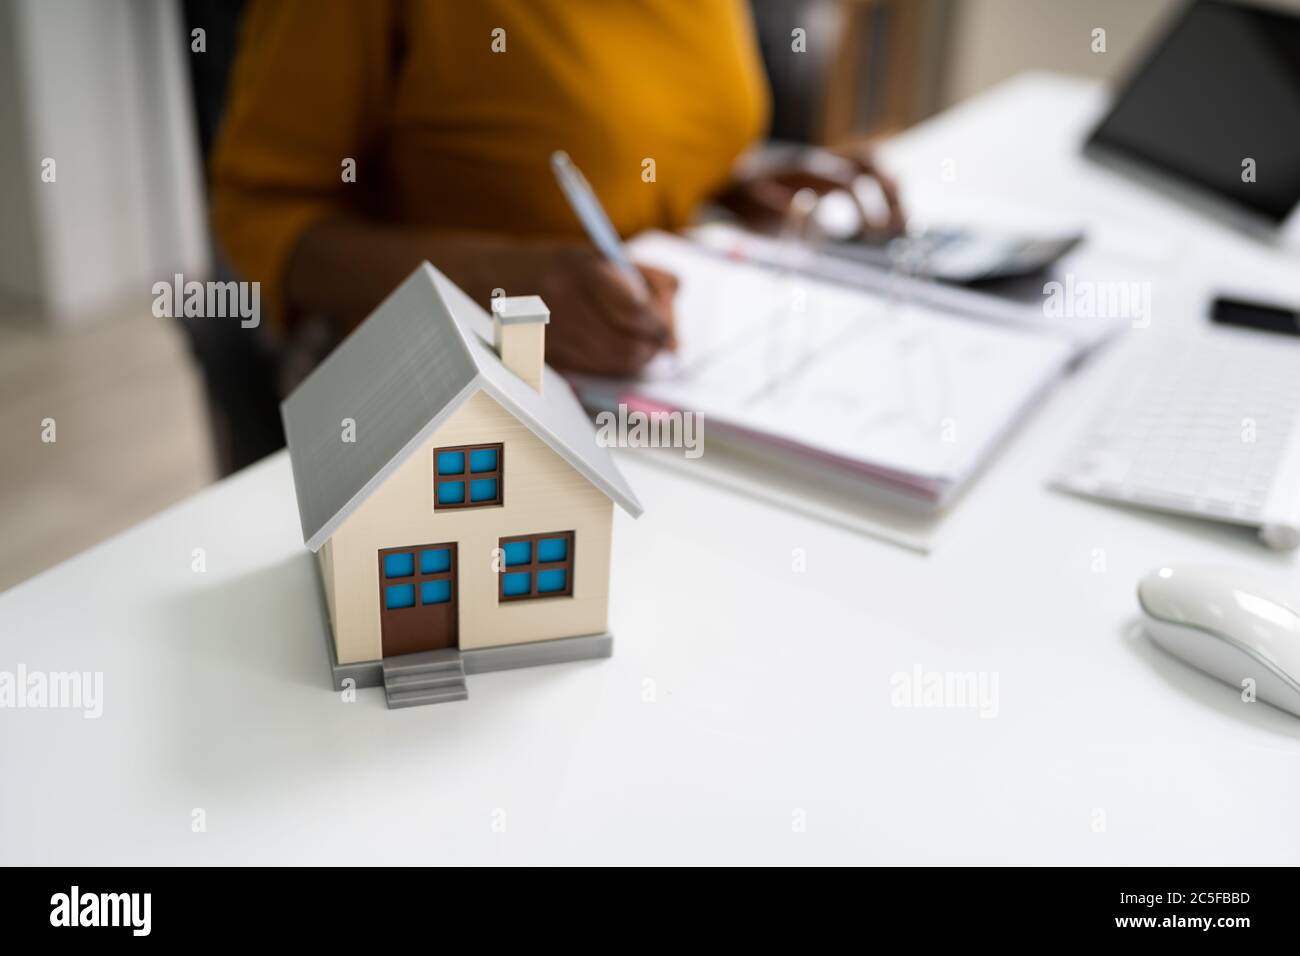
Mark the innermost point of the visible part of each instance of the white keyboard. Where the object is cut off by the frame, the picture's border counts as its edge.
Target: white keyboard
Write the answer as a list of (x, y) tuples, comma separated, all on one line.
[(1211, 428)]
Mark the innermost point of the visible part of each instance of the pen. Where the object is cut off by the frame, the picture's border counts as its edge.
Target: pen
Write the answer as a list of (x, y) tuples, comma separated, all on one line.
[(594, 219), (1255, 315)]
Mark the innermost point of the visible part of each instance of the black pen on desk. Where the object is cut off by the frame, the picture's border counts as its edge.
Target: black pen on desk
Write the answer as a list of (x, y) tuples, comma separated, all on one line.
[(1228, 310)]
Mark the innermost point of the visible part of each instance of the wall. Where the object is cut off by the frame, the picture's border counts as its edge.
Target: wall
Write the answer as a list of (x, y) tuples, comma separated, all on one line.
[(992, 40), (542, 493), (20, 268), (99, 88)]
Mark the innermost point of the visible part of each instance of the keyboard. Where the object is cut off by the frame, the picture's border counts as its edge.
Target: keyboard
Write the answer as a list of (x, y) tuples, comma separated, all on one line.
[(1209, 428)]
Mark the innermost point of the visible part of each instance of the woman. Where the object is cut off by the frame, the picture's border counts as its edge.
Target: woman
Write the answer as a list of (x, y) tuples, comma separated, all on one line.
[(364, 137)]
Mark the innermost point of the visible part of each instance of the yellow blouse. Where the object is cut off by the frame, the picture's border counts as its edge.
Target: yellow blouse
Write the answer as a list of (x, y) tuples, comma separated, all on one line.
[(450, 110)]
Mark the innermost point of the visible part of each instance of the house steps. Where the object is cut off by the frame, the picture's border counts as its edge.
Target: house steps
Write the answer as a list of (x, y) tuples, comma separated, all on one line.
[(427, 677)]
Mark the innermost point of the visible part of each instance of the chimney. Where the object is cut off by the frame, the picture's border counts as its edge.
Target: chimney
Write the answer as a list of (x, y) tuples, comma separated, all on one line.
[(519, 335)]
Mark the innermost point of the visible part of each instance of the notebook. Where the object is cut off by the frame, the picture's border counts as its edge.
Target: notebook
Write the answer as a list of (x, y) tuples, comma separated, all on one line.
[(868, 391), (1018, 303)]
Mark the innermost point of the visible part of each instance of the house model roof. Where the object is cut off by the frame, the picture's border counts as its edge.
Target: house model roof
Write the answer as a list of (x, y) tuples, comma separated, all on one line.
[(402, 373)]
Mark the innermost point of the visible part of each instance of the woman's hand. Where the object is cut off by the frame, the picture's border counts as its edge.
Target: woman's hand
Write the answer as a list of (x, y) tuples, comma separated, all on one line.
[(599, 323), (343, 268), (763, 200)]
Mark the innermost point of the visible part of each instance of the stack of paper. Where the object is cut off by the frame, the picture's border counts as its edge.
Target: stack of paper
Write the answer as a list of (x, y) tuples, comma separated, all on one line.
[(866, 389), (790, 255)]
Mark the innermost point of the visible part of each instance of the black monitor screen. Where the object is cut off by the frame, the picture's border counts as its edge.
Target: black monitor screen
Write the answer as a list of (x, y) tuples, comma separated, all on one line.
[(1222, 88)]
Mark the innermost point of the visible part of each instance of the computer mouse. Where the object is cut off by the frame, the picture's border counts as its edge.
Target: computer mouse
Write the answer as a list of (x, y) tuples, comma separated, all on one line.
[(1228, 624)]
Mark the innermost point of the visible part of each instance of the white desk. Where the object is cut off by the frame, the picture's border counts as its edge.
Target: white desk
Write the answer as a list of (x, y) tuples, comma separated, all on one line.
[(746, 715)]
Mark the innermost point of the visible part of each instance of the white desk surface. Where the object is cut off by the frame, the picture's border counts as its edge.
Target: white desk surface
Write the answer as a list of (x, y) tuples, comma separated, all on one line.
[(746, 715)]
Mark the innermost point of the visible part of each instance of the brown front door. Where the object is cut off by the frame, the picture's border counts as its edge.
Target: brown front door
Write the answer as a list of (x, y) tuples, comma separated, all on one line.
[(417, 598)]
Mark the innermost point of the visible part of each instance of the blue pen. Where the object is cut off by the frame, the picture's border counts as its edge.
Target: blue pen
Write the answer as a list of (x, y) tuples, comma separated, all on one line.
[(594, 219)]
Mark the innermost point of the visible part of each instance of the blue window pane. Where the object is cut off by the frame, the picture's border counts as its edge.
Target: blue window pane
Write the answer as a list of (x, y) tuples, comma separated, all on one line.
[(435, 592), (548, 582), (485, 489), (431, 562), (552, 549), (399, 565), (518, 552), (399, 595), (451, 493), (483, 459), (516, 584), (451, 463)]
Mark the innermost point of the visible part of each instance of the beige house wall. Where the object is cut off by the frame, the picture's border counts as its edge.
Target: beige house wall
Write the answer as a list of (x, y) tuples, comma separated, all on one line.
[(522, 347), (326, 558), (541, 493)]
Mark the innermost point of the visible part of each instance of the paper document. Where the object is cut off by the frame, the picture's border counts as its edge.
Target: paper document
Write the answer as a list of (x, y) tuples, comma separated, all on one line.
[(872, 387), (792, 256)]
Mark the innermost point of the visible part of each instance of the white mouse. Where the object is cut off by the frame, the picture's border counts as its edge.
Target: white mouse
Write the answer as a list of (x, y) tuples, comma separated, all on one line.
[(1229, 625)]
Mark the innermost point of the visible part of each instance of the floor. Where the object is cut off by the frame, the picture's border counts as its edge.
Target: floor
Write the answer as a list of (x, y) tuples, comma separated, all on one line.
[(130, 436)]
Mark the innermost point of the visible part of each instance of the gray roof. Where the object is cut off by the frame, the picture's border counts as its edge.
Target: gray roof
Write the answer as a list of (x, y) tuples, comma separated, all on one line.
[(400, 375)]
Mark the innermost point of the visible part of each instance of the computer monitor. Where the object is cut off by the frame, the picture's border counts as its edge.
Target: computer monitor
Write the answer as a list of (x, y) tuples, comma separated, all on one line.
[(1213, 113)]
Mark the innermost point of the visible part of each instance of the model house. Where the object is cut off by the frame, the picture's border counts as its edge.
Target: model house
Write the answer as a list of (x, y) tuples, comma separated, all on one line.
[(455, 495)]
